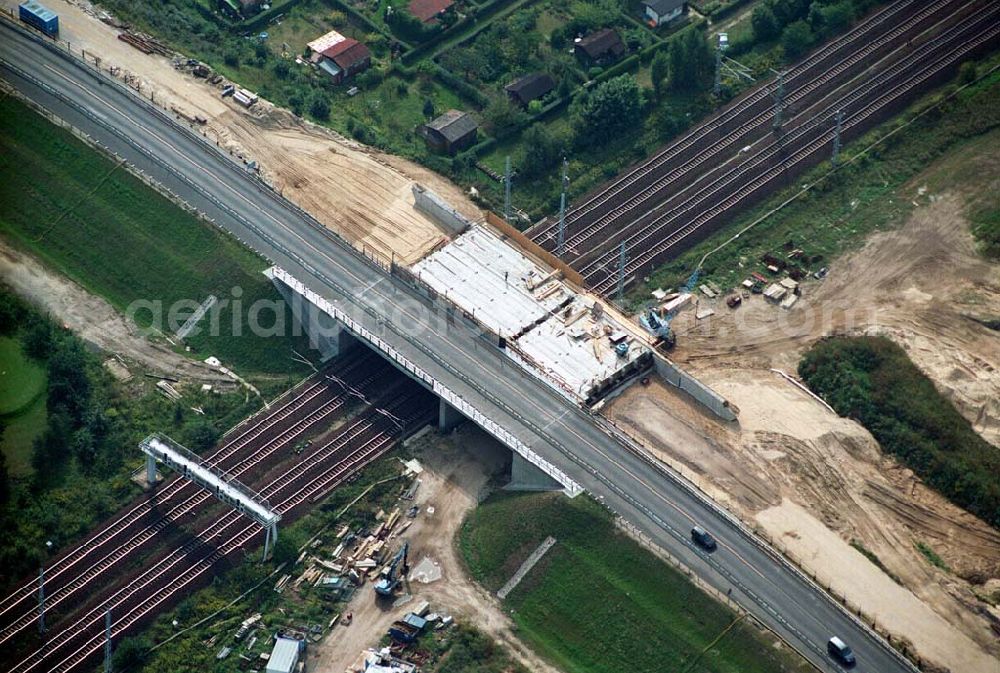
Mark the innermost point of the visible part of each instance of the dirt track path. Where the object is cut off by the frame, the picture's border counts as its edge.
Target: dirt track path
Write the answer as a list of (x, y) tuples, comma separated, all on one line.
[(814, 482), (94, 320), (359, 192)]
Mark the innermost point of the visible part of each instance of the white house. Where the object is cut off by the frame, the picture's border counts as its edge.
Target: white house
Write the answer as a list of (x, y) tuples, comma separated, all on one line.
[(659, 12)]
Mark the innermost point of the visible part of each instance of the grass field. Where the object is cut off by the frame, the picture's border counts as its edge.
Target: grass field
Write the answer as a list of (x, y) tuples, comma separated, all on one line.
[(600, 603), (90, 219), (22, 404), (841, 210), (21, 379)]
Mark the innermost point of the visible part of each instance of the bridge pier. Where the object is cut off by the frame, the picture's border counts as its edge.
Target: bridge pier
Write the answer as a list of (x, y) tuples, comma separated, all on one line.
[(524, 476), (448, 416), (325, 333)]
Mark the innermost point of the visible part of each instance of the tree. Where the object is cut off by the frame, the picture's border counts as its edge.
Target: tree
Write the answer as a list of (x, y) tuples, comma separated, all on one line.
[(131, 653), (765, 25), (502, 118), (69, 386), (542, 150), (50, 451), (428, 108), (836, 18), (797, 38), (319, 107), (4, 473), (281, 69), (610, 108), (38, 338), (658, 72), (202, 437), (690, 62)]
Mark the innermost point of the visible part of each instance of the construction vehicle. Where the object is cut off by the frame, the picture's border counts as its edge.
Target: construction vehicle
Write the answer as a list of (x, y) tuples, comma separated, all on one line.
[(393, 573), (659, 326)]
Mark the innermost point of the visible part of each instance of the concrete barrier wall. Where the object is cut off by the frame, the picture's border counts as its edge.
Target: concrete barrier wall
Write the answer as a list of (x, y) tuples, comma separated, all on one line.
[(530, 247), (678, 378), (431, 204)]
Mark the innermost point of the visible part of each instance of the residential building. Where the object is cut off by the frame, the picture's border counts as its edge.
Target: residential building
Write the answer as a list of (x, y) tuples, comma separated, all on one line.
[(345, 59), (322, 43), (599, 48), (659, 12), (428, 11), (451, 133), (530, 87)]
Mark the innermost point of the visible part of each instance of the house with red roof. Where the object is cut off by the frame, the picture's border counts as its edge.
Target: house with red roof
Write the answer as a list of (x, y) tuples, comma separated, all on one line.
[(344, 60), (428, 11)]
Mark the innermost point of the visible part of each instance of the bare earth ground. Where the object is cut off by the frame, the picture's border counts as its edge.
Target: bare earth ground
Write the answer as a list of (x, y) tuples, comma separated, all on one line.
[(94, 320), (813, 481), (361, 193), (456, 471)]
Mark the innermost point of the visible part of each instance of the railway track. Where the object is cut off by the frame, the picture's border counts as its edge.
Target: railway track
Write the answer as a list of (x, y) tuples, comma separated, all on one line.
[(361, 441), (657, 233), (654, 184), (249, 447), (872, 36)]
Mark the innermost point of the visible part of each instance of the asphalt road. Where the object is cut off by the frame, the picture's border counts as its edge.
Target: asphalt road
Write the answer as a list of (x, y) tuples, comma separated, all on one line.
[(658, 503)]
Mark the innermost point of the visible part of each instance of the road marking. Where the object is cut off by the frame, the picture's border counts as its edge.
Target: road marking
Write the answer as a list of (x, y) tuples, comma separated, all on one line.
[(543, 411)]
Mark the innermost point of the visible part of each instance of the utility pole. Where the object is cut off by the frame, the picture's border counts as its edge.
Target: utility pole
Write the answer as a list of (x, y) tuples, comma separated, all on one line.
[(506, 190), (779, 100), (621, 272), (561, 243), (720, 48), (107, 641), (41, 599), (835, 160)]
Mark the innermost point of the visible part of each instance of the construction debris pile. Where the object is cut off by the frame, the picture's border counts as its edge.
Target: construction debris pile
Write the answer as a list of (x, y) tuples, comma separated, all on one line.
[(360, 556), (147, 44), (402, 656)]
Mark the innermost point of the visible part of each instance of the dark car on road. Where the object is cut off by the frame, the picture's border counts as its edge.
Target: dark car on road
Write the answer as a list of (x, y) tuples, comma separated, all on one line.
[(703, 539), (839, 650)]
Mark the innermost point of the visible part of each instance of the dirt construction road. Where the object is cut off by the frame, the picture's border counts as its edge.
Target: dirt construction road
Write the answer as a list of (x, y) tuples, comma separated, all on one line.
[(97, 322), (817, 484), (457, 469), (361, 193)]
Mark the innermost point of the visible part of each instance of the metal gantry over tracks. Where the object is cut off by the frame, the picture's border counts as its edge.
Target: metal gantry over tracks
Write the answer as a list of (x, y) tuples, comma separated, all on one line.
[(160, 448)]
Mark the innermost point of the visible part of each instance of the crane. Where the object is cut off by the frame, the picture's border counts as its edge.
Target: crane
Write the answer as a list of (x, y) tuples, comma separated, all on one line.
[(392, 573), (660, 326)]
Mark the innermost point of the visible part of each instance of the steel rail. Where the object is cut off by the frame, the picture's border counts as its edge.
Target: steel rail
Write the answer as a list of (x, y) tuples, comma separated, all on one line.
[(648, 255), (879, 20), (367, 429), (753, 129)]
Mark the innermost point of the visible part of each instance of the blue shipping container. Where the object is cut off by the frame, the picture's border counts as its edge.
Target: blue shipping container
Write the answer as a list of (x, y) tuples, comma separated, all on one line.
[(45, 20)]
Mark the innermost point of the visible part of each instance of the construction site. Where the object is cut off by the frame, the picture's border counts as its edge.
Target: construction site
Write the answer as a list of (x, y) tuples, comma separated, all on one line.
[(700, 377)]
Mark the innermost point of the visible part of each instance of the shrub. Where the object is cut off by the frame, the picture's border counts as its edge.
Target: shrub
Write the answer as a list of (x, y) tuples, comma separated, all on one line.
[(796, 39), (610, 108), (872, 380), (319, 107)]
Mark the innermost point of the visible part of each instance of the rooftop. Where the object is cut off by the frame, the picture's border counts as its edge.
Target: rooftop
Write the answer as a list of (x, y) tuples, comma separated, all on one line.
[(324, 42), (602, 42), (426, 10), (532, 86), (284, 656), (39, 10), (347, 52), (454, 124), (662, 7)]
